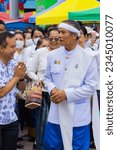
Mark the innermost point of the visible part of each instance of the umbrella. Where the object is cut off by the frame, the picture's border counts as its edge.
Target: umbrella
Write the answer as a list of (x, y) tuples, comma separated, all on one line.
[(60, 12), (32, 19), (86, 15)]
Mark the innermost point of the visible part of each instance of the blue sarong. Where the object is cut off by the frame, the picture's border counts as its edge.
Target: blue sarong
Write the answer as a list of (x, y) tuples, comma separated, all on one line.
[(53, 138)]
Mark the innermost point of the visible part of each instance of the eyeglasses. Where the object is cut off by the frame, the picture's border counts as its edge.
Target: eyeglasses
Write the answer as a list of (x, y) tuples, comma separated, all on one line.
[(54, 39)]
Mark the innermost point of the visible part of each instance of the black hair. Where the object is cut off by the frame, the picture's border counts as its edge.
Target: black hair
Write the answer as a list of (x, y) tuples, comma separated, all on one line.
[(49, 26), (25, 32), (84, 30), (3, 37), (53, 28), (80, 23), (39, 29), (21, 33), (29, 27), (40, 41), (3, 23)]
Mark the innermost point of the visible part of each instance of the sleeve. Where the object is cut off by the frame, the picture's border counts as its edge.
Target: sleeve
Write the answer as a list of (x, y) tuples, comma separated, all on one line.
[(27, 54), (88, 86), (33, 67), (2, 80), (2, 83), (49, 85)]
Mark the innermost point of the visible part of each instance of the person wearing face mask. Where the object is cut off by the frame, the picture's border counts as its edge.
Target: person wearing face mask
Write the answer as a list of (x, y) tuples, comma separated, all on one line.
[(29, 47), (22, 53), (88, 40), (36, 40), (19, 46), (19, 57), (28, 42), (37, 34), (91, 39), (28, 39), (31, 44)]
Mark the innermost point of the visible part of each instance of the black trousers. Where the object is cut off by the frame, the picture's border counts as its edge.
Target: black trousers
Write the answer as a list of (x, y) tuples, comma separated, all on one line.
[(8, 136), (42, 113)]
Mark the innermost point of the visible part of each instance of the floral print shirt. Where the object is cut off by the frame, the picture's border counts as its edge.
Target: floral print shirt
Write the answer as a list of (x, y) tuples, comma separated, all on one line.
[(7, 103)]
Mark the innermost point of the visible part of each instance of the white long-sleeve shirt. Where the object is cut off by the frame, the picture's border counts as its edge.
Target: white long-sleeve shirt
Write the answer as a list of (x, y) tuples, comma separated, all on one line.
[(79, 95), (25, 55), (38, 63)]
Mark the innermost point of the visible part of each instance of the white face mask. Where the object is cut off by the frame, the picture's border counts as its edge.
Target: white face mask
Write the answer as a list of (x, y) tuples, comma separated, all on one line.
[(29, 42), (36, 40), (19, 44)]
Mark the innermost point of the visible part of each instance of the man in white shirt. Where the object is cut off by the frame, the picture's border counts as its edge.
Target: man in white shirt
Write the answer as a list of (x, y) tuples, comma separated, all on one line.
[(71, 79)]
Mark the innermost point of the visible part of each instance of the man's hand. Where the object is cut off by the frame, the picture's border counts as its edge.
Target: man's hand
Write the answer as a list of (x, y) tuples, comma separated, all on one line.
[(20, 70), (58, 96)]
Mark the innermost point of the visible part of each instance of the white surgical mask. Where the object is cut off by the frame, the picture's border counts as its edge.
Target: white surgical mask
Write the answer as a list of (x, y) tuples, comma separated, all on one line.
[(36, 40), (29, 42), (19, 44)]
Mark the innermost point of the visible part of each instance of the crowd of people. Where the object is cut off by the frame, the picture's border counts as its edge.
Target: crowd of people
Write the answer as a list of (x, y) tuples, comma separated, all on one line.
[(64, 59)]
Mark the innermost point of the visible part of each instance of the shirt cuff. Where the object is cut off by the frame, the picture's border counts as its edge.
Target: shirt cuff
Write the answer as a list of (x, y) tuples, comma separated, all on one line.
[(69, 94), (50, 87)]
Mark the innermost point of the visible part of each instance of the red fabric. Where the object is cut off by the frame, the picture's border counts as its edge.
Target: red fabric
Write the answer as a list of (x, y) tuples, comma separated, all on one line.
[(21, 6), (7, 6), (1, 1), (5, 17)]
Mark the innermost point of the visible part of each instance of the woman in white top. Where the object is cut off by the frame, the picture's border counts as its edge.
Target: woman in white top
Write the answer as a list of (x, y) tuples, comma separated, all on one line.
[(28, 39), (18, 56), (39, 61), (36, 73)]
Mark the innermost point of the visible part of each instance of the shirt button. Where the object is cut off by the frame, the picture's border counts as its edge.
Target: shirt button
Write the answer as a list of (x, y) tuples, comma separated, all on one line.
[(65, 69)]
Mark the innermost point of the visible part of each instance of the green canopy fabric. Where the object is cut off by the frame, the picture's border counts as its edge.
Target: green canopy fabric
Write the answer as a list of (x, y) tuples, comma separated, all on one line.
[(87, 15)]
